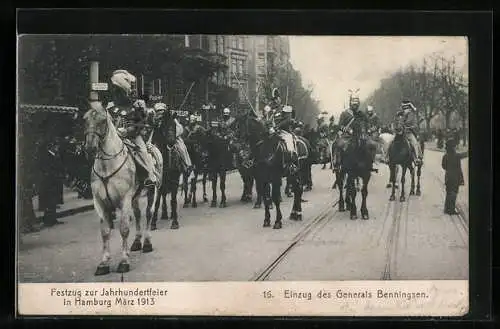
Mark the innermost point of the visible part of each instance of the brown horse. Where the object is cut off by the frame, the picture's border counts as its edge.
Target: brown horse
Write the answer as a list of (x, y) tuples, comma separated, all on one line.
[(116, 186)]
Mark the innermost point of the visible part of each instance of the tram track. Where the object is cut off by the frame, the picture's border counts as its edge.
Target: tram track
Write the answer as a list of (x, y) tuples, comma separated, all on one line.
[(316, 224)]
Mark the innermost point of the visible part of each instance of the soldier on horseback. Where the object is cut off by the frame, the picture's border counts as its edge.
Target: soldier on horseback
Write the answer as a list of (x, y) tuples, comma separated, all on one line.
[(133, 115), (179, 145), (373, 122), (345, 122), (282, 117), (410, 122)]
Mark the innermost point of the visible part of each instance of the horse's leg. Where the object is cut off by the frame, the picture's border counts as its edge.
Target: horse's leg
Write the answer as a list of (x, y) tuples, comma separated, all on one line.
[(204, 182), (351, 192), (124, 214), (412, 176), (192, 196), (222, 175), (163, 196), (395, 180), (340, 183), (402, 198), (156, 207), (137, 244), (392, 179), (267, 201), (105, 223), (250, 187), (419, 172), (185, 188), (244, 179), (364, 194), (357, 184), (259, 187), (214, 189), (296, 213), (288, 189), (152, 196), (173, 203), (276, 194)]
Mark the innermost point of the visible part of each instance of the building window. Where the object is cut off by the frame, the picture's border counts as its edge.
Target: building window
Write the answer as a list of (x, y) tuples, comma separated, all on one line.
[(221, 45), (234, 65), (241, 42), (234, 42)]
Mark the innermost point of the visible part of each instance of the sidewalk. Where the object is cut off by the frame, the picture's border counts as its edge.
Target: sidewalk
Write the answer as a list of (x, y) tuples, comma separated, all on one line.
[(73, 205)]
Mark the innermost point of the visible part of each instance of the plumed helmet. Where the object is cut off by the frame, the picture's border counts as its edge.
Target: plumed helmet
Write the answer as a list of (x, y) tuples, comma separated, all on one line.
[(226, 111), (267, 109), (123, 80), (160, 107), (192, 118), (275, 93)]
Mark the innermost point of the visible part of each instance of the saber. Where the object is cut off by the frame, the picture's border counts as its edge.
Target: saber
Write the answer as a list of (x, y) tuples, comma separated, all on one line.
[(245, 94), (185, 97)]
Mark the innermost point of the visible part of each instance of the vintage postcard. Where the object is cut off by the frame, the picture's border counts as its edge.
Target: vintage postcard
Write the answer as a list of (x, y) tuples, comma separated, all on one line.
[(265, 175)]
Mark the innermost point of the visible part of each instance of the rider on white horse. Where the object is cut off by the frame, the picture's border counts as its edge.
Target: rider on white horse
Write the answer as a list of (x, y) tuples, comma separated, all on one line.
[(133, 115), (179, 145)]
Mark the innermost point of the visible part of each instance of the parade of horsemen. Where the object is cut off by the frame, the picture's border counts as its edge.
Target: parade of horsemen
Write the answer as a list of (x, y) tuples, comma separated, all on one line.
[(145, 151)]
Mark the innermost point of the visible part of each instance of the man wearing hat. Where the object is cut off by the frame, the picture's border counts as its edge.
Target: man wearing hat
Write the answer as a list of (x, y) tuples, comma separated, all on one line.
[(179, 145), (132, 114), (282, 116), (408, 111), (345, 122)]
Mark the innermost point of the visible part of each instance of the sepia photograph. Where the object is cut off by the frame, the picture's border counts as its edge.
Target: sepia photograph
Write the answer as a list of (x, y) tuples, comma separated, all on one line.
[(185, 160)]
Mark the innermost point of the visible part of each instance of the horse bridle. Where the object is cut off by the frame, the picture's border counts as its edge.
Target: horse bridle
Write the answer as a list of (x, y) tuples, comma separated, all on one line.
[(101, 140)]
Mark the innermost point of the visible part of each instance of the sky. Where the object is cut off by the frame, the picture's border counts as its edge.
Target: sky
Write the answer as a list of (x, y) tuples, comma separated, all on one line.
[(334, 64)]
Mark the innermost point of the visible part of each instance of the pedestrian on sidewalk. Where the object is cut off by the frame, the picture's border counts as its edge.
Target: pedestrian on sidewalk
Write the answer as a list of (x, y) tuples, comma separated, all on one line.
[(453, 178), (48, 195)]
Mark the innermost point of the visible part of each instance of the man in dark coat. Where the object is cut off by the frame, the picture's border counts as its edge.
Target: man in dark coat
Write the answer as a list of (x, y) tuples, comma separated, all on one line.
[(453, 179), (49, 194)]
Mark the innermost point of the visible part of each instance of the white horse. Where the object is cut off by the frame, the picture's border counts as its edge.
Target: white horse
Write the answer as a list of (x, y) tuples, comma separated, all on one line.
[(115, 186), (386, 140)]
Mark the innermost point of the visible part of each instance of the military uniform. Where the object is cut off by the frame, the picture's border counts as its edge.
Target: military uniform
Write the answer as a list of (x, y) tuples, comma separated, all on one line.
[(179, 145), (345, 124), (131, 117), (411, 126)]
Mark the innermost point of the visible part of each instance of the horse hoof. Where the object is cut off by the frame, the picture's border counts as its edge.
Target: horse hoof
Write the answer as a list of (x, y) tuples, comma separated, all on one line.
[(123, 267), (402, 198), (174, 226), (277, 225), (392, 198), (136, 245), (257, 206), (147, 247), (353, 217), (164, 216), (205, 199), (365, 216), (223, 205), (299, 218), (102, 270), (153, 227), (213, 204), (186, 205), (419, 193), (266, 223), (194, 205), (293, 216), (412, 192)]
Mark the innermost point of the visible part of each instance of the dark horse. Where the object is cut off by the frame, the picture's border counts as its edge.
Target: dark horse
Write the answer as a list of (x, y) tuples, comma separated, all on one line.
[(220, 158), (165, 137), (268, 152), (246, 168), (400, 153), (195, 143), (356, 162)]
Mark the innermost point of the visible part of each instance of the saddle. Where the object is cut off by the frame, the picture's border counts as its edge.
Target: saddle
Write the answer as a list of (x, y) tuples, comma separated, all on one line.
[(152, 151)]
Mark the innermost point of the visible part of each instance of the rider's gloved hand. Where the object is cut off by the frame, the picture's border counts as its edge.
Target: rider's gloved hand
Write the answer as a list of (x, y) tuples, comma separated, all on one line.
[(149, 147)]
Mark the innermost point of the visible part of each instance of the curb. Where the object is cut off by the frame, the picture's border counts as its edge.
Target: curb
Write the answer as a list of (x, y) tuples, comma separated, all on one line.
[(88, 207)]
